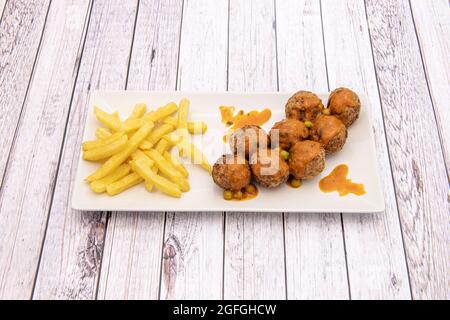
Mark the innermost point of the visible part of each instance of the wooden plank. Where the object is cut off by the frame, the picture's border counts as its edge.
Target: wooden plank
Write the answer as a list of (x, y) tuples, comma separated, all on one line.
[(315, 257), (416, 157), (375, 255), (254, 242), (21, 29), (193, 242), (2, 7), (73, 246), (30, 174), (131, 267), (432, 21)]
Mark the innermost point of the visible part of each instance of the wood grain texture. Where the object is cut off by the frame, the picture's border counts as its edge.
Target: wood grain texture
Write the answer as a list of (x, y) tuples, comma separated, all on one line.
[(375, 256), (2, 6), (416, 157), (254, 242), (29, 179), (315, 257), (131, 267), (432, 21), (21, 29), (193, 242), (73, 245)]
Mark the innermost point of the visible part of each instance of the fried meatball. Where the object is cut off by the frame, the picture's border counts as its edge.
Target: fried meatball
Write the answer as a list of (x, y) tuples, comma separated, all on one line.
[(247, 140), (303, 105), (330, 132), (231, 172), (290, 131), (268, 169), (345, 105), (306, 159)]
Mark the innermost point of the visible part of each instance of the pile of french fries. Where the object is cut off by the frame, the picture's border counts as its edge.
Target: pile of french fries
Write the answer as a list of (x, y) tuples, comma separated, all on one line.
[(138, 150)]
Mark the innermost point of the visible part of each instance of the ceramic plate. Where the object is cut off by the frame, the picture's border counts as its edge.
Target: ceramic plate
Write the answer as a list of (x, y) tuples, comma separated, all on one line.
[(358, 153)]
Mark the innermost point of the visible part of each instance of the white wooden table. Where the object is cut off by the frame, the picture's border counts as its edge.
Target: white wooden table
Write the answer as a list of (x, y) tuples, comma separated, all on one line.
[(54, 53)]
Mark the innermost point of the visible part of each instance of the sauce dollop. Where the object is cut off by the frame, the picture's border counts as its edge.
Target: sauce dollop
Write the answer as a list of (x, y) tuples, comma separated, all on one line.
[(337, 181), (241, 119)]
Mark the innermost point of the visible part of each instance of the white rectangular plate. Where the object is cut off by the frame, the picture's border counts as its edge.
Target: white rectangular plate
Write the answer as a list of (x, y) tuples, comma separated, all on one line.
[(358, 153)]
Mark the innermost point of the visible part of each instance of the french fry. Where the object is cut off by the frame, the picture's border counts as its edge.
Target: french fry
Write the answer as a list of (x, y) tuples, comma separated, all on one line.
[(197, 127), (172, 138), (89, 145), (108, 120), (139, 166), (99, 186), (102, 133), (116, 160), (176, 163), (162, 146), (124, 184), (161, 113), (106, 151), (138, 111), (168, 170), (187, 149), (171, 120), (156, 135), (133, 124), (183, 112), (138, 154)]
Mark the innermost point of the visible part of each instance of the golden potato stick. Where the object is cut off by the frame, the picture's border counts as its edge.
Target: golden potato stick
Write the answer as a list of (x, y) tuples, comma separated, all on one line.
[(99, 186), (168, 170), (171, 120), (116, 160), (138, 154), (124, 184), (156, 135), (106, 151), (133, 124), (197, 127), (89, 145), (102, 133), (161, 113), (176, 163), (197, 157), (164, 185), (172, 138), (146, 145), (162, 146), (183, 112), (108, 120), (138, 111)]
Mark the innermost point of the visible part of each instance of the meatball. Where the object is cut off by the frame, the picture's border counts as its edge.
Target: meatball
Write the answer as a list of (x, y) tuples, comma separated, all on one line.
[(290, 131), (247, 140), (231, 172), (330, 132), (268, 169), (345, 105), (306, 159), (303, 105)]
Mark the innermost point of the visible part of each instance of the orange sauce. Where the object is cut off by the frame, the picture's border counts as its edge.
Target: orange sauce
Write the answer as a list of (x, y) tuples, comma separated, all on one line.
[(337, 181), (241, 119)]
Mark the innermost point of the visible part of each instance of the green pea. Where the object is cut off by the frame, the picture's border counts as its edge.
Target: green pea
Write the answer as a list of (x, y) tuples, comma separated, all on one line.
[(296, 183), (284, 154), (227, 195), (308, 124)]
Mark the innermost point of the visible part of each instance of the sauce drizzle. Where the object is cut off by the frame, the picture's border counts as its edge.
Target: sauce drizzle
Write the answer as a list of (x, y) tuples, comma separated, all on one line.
[(337, 181), (241, 119)]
